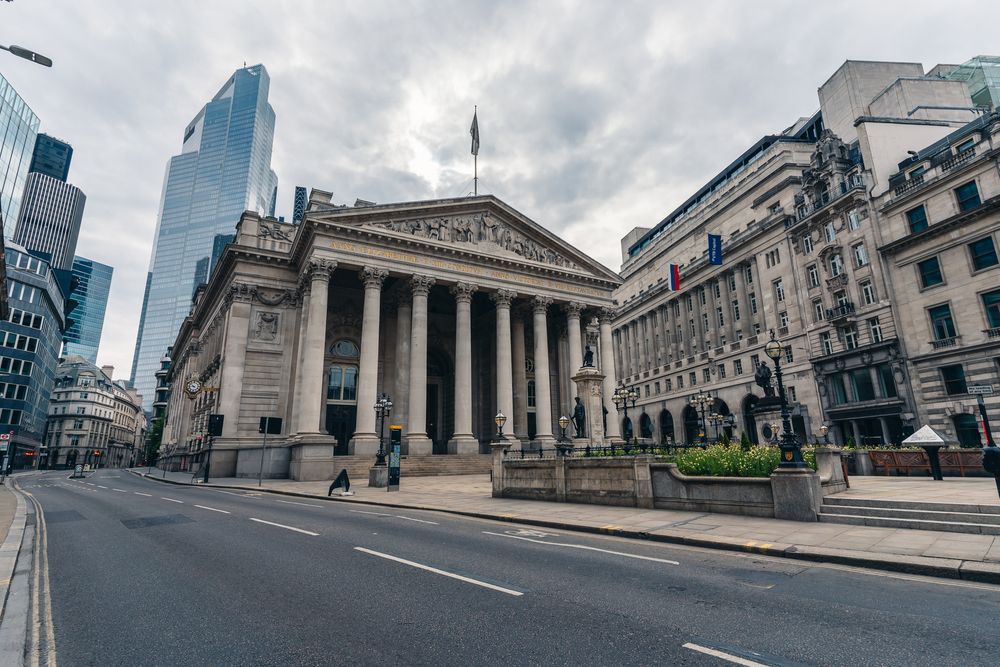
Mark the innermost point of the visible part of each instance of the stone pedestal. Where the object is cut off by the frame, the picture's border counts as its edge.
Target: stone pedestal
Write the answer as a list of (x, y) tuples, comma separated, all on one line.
[(497, 448), (419, 445), (364, 445), (463, 445), (588, 381), (312, 460), (798, 494), (378, 477)]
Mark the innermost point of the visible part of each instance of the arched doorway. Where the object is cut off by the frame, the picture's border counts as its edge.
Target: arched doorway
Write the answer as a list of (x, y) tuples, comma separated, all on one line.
[(645, 426), (627, 429), (967, 430), (440, 400), (666, 427), (725, 429), (692, 425), (749, 422)]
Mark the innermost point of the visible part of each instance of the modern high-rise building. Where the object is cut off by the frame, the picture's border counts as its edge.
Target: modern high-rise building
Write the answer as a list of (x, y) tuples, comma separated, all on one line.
[(51, 157), (224, 168), (299, 211), (93, 284), (18, 129), (50, 219)]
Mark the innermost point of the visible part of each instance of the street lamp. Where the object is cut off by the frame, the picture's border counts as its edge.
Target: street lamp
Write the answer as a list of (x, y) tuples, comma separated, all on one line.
[(383, 406), (500, 420), (563, 423), (700, 402), (21, 52), (791, 452), (622, 396), (716, 420), (824, 431)]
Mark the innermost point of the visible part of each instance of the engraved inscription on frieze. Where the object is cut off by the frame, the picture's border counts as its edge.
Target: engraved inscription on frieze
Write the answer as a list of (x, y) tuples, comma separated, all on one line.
[(479, 229)]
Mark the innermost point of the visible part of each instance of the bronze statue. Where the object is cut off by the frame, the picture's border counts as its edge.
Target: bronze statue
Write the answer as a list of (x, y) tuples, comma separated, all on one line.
[(588, 358), (579, 416), (763, 379)]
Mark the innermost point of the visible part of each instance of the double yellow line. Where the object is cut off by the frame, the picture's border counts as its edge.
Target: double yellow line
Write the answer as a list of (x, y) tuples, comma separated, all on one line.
[(42, 650)]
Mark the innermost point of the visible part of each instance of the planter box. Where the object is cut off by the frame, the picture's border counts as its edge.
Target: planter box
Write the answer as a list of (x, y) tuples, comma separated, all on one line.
[(954, 462)]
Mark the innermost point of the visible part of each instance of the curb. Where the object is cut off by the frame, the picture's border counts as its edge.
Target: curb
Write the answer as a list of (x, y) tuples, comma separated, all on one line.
[(947, 568), (15, 570)]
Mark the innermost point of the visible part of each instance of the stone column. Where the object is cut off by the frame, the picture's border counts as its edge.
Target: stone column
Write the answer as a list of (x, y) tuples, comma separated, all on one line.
[(401, 397), (365, 440), (520, 378), (713, 316), (699, 327), (727, 308), (605, 318), (675, 350), (743, 297), (416, 439), (573, 311), (294, 414), (314, 353), (626, 347), (462, 441), (505, 377), (687, 317), (543, 395), (660, 336)]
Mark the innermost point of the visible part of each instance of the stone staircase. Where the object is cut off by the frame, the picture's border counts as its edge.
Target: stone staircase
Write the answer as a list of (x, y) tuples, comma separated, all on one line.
[(418, 466), (948, 517)]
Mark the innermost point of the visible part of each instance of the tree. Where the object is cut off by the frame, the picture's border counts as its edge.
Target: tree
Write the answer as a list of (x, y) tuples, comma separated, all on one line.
[(153, 439)]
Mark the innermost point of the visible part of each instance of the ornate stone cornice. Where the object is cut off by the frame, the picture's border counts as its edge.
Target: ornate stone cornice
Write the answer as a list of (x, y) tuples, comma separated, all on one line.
[(321, 269), (244, 293), (540, 304), (503, 297), (373, 277), (463, 292), (421, 285), (574, 309), (606, 315)]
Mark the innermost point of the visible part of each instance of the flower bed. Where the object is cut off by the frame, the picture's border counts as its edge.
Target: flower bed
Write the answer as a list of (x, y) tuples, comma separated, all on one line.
[(733, 461)]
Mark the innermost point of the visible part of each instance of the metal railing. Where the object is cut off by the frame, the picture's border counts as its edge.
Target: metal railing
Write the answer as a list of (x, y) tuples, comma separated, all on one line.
[(570, 451), (957, 160), (840, 311), (945, 342)]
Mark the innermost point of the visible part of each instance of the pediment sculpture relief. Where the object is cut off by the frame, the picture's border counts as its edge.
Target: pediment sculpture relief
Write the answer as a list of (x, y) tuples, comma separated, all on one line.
[(479, 229)]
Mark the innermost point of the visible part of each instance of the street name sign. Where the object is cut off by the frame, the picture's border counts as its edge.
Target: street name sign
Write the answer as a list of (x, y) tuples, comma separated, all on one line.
[(980, 389)]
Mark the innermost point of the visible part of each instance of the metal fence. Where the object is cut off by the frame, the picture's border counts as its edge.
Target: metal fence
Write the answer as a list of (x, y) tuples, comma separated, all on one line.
[(588, 451)]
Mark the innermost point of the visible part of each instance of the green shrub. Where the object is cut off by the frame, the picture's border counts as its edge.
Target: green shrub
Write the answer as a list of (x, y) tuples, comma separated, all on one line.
[(745, 443), (735, 461)]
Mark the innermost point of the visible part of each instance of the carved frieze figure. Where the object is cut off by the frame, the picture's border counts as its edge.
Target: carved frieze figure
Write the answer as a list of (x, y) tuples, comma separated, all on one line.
[(588, 358), (266, 326), (579, 417), (763, 379)]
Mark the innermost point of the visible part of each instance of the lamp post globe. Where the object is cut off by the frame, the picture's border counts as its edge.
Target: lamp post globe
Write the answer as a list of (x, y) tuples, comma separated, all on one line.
[(500, 420), (563, 423), (773, 348)]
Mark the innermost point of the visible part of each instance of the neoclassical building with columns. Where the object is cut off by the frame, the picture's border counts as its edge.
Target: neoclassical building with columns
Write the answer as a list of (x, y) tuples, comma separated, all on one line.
[(455, 308)]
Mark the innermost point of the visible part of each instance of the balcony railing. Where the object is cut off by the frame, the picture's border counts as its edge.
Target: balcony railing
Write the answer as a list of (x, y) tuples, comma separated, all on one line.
[(839, 280), (910, 183), (945, 342), (992, 333), (841, 311), (957, 160)]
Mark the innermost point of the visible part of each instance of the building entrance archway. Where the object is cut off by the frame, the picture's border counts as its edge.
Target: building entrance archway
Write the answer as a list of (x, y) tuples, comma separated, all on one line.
[(692, 425), (749, 421), (666, 427)]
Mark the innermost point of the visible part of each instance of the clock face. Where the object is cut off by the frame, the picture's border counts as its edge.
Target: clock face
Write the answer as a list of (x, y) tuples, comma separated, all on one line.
[(193, 387)]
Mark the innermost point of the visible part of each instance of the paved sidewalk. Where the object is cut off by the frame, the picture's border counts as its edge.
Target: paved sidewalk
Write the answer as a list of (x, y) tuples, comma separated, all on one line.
[(954, 490), (954, 555)]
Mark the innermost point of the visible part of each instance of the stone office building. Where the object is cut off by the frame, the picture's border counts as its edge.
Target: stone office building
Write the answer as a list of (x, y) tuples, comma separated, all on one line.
[(457, 309)]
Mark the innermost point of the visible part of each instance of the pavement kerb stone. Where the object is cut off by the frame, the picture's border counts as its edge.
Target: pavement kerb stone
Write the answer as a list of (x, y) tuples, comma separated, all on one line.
[(948, 568), (12, 636), (11, 547)]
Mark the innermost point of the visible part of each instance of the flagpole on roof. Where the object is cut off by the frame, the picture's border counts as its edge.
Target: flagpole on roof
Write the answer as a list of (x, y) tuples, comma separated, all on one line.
[(474, 131)]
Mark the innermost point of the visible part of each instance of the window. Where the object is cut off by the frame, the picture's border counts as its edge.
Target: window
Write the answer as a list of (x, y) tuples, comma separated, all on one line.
[(704, 322), (967, 196), (748, 275), (15, 366), (789, 356), (853, 220), (841, 297), (991, 302), (860, 255), (930, 272), (874, 330), (753, 303), (738, 367), (827, 344), (718, 313), (647, 391), (983, 253), (807, 244), (19, 342), (717, 290), (345, 348), (916, 218), (861, 384), (706, 375), (954, 379), (867, 293), (693, 378), (343, 383), (779, 291), (732, 282), (756, 328), (656, 386), (886, 381), (918, 172), (736, 311), (12, 417), (722, 371), (965, 145), (701, 296), (531, 393), (25, 319), (77, 424), (680, 381), (81, 411), (942, 325), (783, 319), (15, 392), (813, 272), (690, 303), (818, 310), (829, 233), (669, 384), (836, 265), (850, 337), (790, 394)]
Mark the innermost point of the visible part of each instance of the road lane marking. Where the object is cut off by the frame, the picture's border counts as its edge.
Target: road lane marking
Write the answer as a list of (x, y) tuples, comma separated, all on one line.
[(120, 490), (372, 513), (292, 502), (172, 500), (281, 525), (735, 659), (410, 518), (148, 495), (585, 547), (101, 486), (435, 570), (230, 493), (212, 509)]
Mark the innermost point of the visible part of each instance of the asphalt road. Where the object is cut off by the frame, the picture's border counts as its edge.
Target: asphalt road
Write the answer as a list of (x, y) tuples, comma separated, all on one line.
[(146, 573)]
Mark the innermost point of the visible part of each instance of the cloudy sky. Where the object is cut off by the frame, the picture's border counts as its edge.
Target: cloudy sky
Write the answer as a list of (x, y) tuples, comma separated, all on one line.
[(596, 116)]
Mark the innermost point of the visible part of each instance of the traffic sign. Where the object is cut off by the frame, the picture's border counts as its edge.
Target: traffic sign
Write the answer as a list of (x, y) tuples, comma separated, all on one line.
[(980, 389), (4, 436)]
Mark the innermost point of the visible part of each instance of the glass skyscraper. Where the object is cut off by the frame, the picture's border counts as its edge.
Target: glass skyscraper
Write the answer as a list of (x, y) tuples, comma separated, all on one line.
[(224, 168), (83, 336), (51, 157), (18, 129)]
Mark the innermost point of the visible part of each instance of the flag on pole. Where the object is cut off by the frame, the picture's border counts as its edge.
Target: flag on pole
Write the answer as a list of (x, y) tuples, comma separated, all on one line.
[(474, 131), (674, 272), (714, 249)]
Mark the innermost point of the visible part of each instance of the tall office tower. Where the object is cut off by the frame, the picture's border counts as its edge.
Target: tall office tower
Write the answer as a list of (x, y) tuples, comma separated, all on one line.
[(224, 168), (301, 199), (51, 214), (18, 128), (83, 336), (51, 157)]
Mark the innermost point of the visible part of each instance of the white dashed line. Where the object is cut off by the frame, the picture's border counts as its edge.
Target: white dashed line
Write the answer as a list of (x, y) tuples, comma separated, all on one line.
[(120, 490), (735, 659), (585, 548), (435, 570), (281, 525), (290, 502), (410, 518), (148, 495), (212, 509), (172, 500), (101, 486)]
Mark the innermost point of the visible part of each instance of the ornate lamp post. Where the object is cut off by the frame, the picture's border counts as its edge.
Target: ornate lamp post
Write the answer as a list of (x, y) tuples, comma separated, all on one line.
[(716, 420), (563, 423), (383, 406), (791, 452), (500, 420), (700, 403), (622, 397)]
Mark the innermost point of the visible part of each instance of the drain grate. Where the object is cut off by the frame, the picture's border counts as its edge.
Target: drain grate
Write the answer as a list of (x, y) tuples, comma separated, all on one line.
[(150, 521)]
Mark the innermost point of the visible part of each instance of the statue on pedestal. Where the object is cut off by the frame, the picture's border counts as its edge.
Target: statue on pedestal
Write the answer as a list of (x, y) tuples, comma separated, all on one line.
[(579, 417), (763, 379), (588, 358)]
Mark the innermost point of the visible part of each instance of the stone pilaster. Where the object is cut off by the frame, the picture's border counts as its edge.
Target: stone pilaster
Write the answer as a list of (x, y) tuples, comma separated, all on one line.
[(505, 378), (543, 393), (401, 397), (463, 442), (608, 369), (417, 441), (311, 373), (365, 441), (520, 378), (233, 364)]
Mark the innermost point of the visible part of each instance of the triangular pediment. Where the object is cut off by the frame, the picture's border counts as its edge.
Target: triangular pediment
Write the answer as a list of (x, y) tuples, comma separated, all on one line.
[(481, 225)]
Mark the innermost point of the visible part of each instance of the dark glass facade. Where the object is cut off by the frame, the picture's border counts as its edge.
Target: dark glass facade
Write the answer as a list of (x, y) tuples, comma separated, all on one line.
[(51, 157), (18, 129), (224, 168), (93, 284)]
